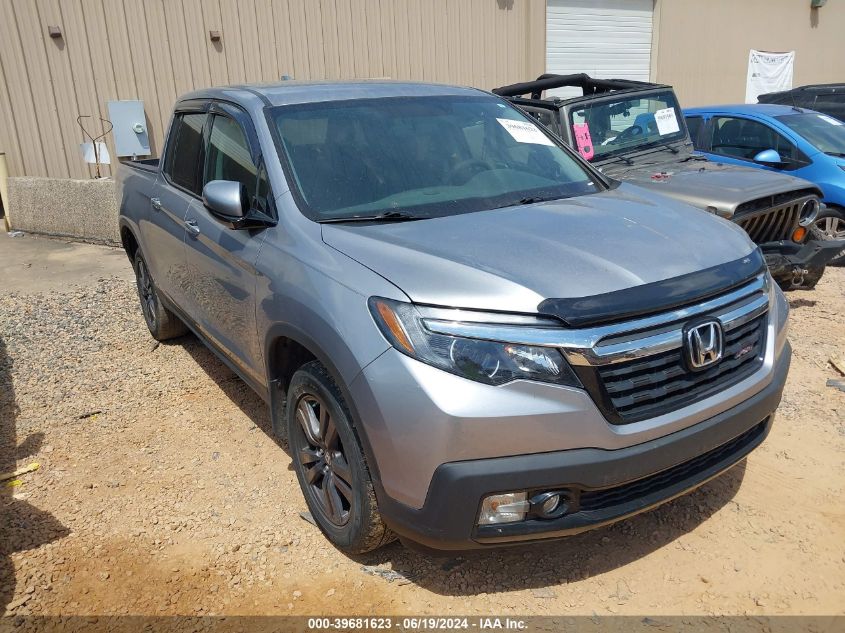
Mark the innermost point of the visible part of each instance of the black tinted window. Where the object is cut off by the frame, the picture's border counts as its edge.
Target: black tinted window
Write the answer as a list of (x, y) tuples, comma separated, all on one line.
[(229, 157), (543, 116), (185, 151), (831, 104), (694, 127)]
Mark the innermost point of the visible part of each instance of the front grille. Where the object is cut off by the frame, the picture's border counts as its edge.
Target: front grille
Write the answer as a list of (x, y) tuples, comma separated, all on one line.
[(637, 369), (651, 386), (772, 218), (595, 500)]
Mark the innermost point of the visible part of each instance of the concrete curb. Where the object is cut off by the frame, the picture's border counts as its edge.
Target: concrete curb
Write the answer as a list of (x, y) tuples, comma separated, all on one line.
[(85, 210)]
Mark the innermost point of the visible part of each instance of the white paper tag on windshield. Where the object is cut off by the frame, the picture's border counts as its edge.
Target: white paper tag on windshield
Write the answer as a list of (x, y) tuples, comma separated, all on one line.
[(667, 122), (829, 119), (525, 132)]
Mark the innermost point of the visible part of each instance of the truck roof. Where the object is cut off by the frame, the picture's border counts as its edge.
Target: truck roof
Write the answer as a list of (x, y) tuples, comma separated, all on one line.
[(294, 92)]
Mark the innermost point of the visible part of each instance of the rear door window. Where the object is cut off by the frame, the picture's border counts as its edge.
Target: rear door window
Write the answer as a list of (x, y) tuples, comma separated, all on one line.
[(184, 157)]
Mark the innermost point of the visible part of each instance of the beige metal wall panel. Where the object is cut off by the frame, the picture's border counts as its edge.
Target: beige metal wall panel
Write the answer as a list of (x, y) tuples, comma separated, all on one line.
[(196, 39), (702, 47), (17, 101), (107, 86), (180, 53), (33, 74), (63, 89), (155, 50)]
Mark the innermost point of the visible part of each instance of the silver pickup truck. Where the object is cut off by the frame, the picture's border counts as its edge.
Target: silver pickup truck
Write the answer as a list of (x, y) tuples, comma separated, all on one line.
[(466, 335), (635, 131)]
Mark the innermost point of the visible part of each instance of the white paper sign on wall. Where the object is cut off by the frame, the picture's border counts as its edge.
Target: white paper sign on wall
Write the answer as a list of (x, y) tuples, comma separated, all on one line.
[(768, 72)]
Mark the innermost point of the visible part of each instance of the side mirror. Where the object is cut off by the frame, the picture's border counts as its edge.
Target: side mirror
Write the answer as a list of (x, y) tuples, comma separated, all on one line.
[(226, 198), (766, 157)]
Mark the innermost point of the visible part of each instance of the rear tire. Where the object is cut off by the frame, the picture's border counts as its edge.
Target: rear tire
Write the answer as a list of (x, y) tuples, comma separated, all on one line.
[(330, 464), (161, 322)]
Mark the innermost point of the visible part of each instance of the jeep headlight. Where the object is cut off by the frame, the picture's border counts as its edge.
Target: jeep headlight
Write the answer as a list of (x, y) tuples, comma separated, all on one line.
[(492, 362), (809, 212)]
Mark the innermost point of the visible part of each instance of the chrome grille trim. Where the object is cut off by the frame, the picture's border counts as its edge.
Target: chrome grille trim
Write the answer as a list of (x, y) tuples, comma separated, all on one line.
[(584, 346), (665, 342)]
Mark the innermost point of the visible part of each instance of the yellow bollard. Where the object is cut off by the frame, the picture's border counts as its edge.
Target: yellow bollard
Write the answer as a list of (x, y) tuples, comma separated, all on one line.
[(4, 190)]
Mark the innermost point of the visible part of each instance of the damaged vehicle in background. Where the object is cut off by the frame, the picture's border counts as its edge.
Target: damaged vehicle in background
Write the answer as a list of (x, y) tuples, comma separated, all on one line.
[(634, 131), (783, 139)]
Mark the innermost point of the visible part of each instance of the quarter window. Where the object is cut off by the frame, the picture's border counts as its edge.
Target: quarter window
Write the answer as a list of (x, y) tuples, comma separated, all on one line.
[(185, 151)]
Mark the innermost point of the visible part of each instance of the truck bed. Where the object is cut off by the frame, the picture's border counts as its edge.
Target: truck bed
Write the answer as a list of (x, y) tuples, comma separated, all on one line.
[(147, 164)]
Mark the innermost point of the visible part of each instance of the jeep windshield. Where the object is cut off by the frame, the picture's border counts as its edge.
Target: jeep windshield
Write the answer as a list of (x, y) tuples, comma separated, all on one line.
[(619, 126), (420, 157), (823, 132)]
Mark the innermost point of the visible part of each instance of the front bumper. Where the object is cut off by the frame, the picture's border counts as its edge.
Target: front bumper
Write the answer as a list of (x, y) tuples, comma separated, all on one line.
[(787, 260), (611, 484)]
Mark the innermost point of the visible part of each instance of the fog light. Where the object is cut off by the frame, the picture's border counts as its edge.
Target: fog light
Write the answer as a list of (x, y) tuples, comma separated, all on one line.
[(550, 505), (799, 234), (506, 508)]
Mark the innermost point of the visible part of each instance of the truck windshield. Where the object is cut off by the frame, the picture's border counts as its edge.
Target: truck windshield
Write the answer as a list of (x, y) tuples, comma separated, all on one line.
[(616, 126), (421, 157), (823, 132)]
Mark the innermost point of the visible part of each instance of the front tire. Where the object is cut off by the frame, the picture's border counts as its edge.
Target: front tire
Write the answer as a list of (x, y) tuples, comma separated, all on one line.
[(161, 322), (330, 464), (830, 225)]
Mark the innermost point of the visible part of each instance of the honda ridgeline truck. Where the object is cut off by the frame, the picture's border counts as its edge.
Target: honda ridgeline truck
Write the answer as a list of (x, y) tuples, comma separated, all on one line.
[(635, 131), (466, 334)]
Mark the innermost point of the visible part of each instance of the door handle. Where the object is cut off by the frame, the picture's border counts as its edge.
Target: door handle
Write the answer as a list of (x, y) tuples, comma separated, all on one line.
[(156, 202), (193, 228)]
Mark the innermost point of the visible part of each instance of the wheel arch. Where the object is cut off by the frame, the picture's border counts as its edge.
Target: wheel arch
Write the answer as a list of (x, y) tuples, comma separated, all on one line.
[(129, 240), (287, 348)]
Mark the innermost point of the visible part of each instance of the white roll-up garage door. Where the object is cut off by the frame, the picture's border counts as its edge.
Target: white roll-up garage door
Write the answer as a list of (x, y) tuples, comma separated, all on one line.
[(603, 38)]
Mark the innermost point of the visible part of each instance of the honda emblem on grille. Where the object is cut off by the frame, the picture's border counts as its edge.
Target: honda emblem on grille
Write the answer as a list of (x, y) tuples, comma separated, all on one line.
[(704, 344)]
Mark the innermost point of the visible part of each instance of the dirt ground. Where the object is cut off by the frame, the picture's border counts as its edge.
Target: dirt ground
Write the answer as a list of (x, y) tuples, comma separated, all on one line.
[(161, 491)]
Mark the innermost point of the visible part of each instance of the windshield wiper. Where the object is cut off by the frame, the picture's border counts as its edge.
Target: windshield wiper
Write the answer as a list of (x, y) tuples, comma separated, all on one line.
[(837, 154), (671, 148), (387, 216), (528, 200), (534, 199), (694, 157)]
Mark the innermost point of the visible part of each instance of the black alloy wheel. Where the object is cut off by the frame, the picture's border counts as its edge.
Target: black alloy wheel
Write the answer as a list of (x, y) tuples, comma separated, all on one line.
[(320, 451)]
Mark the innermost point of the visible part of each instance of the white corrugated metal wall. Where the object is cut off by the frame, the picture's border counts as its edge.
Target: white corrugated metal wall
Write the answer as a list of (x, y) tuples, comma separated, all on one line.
[(603, 38)]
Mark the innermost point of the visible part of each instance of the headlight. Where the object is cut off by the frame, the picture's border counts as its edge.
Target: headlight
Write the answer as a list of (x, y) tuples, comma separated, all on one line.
[(809, 211), (490, 362)]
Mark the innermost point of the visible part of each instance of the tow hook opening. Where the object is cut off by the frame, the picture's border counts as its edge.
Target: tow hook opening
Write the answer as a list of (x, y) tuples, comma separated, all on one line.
[(798, 275)]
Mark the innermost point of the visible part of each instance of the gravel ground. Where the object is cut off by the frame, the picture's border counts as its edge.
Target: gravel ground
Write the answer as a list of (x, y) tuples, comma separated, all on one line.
[(161, 491)]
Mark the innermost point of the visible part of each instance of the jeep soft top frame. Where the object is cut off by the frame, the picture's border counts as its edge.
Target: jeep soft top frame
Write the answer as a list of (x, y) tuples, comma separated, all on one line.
[(588, 85)]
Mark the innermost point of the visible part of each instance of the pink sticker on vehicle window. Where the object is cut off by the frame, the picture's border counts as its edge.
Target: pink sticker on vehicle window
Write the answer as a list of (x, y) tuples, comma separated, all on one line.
[(583, 140)]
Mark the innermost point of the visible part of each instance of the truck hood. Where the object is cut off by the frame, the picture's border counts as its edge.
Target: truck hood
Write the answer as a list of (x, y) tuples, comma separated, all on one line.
[(704, 183), (513, 259)]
